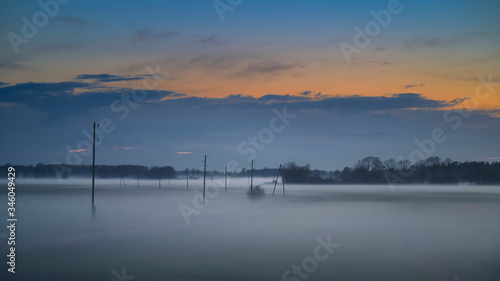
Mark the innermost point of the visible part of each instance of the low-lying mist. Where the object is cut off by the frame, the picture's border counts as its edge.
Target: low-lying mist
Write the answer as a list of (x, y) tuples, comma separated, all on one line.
[(416, 232)]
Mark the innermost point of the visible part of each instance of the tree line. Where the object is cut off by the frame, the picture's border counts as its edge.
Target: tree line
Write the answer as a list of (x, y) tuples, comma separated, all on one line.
[(372, 170), (40, 171), (369, 170)]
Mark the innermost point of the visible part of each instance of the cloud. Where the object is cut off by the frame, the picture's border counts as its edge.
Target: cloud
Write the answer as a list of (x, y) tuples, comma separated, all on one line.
[(144, 35), (211, 63), (230, 66), (212, 40), (78, 150), (414, 85), (382, 103), (346, 104), (184, 152), (267, 99), (166, 35), (378, 62), (40, 90), (12, 66), (74, 21), (127, 148), (434, 42), (60, 47), (110, 77), (141, 35), (83, 95), (68, 98), (263, 67)]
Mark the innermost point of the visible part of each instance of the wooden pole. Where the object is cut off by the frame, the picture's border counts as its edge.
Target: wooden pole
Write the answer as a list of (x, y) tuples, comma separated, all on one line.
[(204, 176), (93, 170), (251, 180), (276, 181), (280, 170), (282, 180)]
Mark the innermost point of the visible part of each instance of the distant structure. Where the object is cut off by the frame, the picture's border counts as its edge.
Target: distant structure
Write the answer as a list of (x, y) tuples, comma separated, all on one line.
[(122, 179), (280, 172), (93, 170), (204, 176), (251, 180), (138, 175)]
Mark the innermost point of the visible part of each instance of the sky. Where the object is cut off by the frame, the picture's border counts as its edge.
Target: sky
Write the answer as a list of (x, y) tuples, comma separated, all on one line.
[(318, 82)]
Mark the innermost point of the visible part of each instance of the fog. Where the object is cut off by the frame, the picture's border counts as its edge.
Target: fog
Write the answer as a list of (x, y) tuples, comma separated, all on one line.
[(406, 233)]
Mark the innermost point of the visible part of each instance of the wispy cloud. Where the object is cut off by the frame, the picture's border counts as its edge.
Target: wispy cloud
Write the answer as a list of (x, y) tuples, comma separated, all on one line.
[(127, 148), (110, 77), (59, 47), (166, 35), (73, 21), (212, 39), (184, 152), (266, 66), (78, 150), (12, 66), (144, 35), (444, 41), (414, 85)]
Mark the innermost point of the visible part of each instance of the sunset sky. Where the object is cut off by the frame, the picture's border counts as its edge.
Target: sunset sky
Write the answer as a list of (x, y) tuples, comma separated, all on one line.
[(222, 72)]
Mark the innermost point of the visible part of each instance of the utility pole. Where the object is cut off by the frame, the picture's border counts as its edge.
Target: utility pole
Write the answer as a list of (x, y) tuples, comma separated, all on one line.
[(225, 180), (121, 178), (204, 176), (187, 178), (93, 170), (280, 170), (251, 180)]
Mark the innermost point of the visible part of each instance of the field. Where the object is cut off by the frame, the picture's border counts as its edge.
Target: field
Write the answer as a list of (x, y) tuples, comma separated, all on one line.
[(373, 233)]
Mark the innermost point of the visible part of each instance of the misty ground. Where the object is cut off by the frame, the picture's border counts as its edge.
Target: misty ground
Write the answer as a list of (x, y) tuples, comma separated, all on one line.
[(409, 233)]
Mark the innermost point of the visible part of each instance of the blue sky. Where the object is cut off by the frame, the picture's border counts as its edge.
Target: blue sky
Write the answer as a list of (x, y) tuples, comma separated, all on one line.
[(221, 81)]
